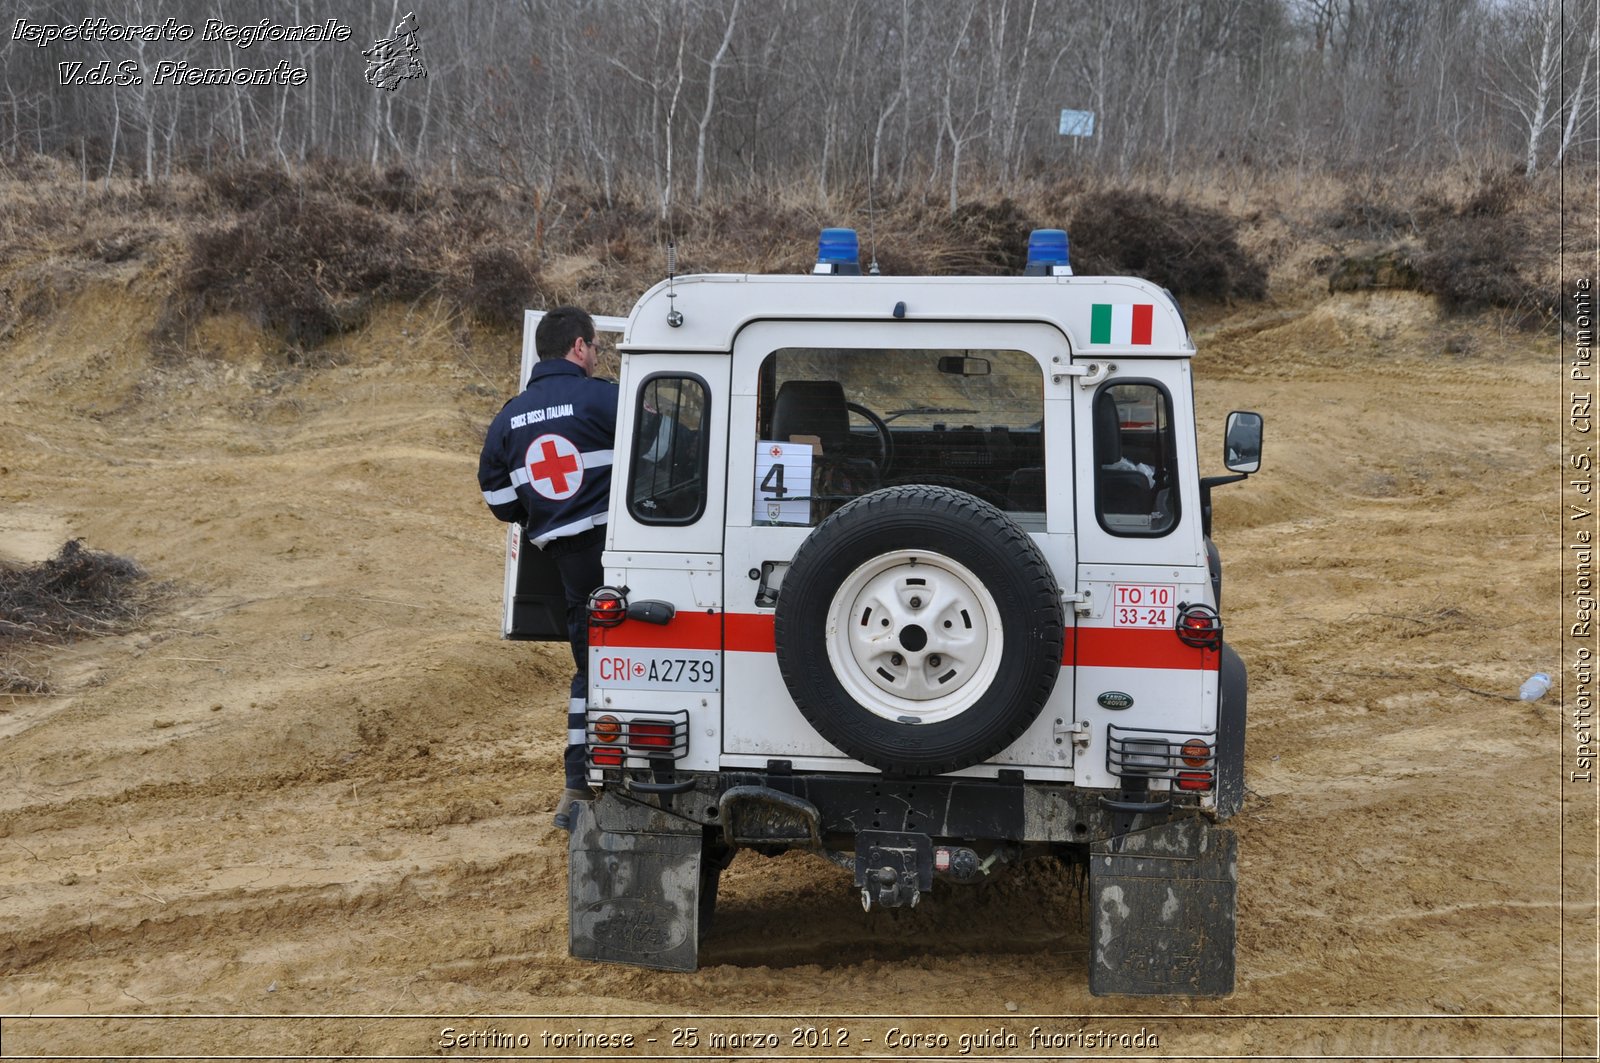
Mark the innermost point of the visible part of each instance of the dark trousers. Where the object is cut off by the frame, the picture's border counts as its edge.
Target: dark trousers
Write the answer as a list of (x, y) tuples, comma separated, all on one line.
[(577, 558)]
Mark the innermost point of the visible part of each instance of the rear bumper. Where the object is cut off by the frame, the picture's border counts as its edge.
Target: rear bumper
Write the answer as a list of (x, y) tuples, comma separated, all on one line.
[(1003, 810)]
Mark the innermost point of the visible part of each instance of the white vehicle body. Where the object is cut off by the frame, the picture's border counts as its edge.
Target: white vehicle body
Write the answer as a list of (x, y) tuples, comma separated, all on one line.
[(1081, 436)]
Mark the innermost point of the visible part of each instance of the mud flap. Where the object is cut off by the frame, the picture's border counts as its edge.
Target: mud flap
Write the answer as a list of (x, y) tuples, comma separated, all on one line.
[(1162, 911), (1230, 734), (633, 875)]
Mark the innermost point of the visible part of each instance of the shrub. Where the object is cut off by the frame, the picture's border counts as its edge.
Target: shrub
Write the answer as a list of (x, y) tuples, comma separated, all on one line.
[(1496, 196), (1476, 256), (305, 266), (246, 186), (996, 234), (499, 284), (394, 191), (1473, 263), (1187, 249), (1368, 217)]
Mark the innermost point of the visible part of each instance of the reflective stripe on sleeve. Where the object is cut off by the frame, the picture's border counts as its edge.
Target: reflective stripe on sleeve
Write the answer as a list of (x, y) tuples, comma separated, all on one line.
[(500, 497)]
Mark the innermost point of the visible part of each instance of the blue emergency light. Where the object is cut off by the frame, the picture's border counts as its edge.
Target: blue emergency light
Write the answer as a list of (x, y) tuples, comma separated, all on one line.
[(838, 252), (1047, 254)]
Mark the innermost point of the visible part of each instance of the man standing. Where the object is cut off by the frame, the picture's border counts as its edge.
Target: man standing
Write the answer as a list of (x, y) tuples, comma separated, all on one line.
[(546, 464)]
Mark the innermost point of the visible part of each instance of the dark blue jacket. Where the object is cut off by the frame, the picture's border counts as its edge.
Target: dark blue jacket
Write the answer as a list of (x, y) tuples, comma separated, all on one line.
[(546, 462)]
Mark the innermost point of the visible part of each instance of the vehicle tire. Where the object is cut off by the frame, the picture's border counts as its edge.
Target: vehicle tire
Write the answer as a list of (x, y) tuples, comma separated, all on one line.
[(984, 492), (919, 630)]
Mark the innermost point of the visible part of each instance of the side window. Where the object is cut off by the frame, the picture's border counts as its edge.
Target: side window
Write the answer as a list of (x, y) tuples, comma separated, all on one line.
[(667, 476), (1135, 460)]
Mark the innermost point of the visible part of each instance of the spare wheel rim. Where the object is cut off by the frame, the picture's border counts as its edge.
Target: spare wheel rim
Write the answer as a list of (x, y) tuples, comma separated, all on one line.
[(914, 637)]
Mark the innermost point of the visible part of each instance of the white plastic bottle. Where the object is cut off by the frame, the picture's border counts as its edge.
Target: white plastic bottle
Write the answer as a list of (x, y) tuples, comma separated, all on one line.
[(1535, 687)]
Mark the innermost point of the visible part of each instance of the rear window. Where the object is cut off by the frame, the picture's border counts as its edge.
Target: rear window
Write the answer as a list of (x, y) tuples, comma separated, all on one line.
[(868, 418), (667, 484)]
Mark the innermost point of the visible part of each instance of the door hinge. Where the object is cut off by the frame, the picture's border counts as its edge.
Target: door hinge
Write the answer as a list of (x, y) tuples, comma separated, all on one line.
[(1079, 601), (1078, 732), (1090, 372)]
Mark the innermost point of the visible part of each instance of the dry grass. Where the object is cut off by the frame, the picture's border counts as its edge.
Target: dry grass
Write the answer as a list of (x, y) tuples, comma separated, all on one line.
[(307, 254), (76, 594)]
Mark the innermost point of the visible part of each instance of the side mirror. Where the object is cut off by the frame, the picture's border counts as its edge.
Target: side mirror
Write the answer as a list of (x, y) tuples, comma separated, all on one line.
[(1241, 448), (963, 365)]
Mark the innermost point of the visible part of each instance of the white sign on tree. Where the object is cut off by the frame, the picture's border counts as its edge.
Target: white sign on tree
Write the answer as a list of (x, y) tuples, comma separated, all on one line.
[(1077, 123)]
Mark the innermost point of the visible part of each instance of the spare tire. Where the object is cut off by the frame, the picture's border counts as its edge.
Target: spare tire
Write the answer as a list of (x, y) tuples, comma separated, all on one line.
[(919, 630)]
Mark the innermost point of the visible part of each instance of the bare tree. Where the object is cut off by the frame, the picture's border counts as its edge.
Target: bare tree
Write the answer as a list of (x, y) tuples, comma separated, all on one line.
[(825, 93), (1530, 52), (1582, 104), (955, 75), (711, 103)]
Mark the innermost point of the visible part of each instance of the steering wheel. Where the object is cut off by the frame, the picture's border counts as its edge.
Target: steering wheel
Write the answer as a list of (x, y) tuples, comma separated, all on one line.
[(884, 454)]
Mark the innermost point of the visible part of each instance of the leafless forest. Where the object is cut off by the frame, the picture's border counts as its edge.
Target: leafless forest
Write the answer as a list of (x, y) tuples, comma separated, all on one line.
[(674, 100)]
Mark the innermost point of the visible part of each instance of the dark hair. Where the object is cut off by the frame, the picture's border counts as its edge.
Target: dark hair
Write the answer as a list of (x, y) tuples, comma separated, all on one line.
[(560, 329)]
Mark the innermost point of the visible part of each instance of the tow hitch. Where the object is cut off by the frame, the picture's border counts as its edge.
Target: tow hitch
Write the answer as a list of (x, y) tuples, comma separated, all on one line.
[(893, 870)]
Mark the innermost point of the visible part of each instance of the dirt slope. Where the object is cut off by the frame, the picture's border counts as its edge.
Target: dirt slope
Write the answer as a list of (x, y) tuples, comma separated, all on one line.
[(319, 785)]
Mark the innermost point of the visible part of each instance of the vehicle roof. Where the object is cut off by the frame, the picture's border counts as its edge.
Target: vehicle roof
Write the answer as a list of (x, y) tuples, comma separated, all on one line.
[(715, 306)]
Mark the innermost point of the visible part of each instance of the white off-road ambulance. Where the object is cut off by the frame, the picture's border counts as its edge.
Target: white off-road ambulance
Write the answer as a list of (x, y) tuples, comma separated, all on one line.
[(915, 574)]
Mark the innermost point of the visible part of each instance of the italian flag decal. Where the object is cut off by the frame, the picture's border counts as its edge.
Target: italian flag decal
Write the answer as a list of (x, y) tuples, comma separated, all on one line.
[(1127, 323)]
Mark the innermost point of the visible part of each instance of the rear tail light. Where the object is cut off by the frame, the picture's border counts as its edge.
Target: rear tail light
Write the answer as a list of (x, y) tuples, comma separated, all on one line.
[(1200, 626), (608, 607), (1195, 754), (650, 734), (1142, 753), (613, 740), (606, 729)]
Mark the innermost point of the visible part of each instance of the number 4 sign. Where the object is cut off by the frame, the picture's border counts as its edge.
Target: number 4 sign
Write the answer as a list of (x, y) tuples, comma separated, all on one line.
[(783, 483)]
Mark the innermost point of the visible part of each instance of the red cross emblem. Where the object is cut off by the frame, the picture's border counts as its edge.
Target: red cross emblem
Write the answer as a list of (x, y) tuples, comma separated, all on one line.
[(555, 468)]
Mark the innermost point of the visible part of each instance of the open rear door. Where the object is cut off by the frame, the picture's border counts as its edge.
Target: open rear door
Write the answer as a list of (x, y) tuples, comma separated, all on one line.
[(535, 608)]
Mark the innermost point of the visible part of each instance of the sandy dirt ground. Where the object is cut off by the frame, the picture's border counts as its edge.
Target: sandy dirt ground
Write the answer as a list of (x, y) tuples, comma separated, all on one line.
[(317, 784)]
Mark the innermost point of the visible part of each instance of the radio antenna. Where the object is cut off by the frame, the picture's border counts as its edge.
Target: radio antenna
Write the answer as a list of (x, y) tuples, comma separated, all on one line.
[(872, 230), (674, 318)]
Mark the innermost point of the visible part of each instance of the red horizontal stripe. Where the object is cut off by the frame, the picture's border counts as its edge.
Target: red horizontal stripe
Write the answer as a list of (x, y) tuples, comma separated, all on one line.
[(751, 633), (686, 631), (1133, 647), (1099, 647)]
